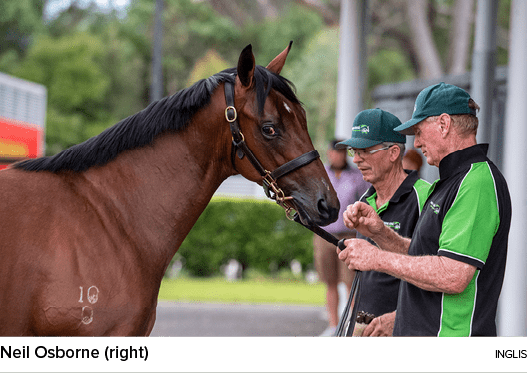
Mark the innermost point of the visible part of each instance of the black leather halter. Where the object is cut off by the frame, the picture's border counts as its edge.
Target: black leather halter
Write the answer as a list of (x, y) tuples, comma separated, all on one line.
[(240, 148)]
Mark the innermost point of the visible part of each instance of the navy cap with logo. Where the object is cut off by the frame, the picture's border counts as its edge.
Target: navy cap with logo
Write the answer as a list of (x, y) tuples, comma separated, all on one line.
[(436, 100), (371, 127)]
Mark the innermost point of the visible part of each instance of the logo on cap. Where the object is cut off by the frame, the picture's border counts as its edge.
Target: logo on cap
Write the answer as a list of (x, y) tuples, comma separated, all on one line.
[(364, 129)]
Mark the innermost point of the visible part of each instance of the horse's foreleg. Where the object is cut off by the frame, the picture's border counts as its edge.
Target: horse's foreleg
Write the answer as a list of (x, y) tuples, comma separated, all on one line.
[(150, 325)]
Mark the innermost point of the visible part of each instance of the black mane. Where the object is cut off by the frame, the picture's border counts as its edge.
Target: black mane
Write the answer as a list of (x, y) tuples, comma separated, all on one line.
[(172, 113)]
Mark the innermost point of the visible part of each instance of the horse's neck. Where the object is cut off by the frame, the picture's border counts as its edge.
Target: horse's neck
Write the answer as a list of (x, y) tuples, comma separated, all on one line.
[(158, 192)]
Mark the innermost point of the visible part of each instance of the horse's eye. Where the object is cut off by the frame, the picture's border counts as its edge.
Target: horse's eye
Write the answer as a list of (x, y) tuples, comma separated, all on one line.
[(269, 130)]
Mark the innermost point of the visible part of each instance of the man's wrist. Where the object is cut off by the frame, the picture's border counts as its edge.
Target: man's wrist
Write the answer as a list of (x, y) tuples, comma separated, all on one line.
[(381, 236)]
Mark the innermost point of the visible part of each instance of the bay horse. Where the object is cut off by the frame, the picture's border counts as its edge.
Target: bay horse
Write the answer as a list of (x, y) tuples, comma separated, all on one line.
[(87, 234)]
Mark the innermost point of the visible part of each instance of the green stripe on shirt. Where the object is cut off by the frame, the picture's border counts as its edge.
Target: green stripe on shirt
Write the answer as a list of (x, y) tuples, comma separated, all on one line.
[(473, 219), (457, 311)]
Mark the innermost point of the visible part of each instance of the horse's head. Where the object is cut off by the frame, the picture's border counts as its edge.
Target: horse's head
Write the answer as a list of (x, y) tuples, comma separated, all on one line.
[(271, 141)]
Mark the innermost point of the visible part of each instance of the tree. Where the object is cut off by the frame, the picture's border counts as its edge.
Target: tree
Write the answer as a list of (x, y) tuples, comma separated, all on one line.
[(329, 10), (190, 30), (434, 36), (315, 77), (243, 13), (71, 69), (458, 18), (19, 20), (405, 39)]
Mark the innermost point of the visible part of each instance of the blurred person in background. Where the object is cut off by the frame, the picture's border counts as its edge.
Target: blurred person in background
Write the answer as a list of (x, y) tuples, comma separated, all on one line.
[(397, 196), (349, 185), (412, 161)]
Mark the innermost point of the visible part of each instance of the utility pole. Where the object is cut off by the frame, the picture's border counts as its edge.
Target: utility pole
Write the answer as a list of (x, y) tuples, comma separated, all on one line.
[(483, 72), (513, 300), (156, 88), (352, 65)]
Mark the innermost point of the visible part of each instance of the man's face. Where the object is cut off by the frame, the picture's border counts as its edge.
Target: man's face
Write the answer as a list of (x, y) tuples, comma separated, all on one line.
[(337, 158), (428, 139), (372, 166)]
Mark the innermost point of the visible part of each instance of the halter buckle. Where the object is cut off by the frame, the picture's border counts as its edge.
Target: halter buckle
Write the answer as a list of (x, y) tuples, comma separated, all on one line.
[(278, 195), (238, 134), (235, 116)]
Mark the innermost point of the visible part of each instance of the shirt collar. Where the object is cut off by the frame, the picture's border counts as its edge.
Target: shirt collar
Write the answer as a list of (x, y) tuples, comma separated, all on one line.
[(461, 159), (406, 186)]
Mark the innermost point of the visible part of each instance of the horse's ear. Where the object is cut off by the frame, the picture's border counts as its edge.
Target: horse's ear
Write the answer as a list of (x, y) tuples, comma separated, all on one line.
[(278, 62), (246, 65)]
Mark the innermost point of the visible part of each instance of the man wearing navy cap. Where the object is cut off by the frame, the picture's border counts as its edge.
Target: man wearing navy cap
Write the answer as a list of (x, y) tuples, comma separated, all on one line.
[(396, 195), (453, 267)]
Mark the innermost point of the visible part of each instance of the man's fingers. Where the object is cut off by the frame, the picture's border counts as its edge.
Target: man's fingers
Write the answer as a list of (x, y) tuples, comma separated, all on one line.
[(343, 254)]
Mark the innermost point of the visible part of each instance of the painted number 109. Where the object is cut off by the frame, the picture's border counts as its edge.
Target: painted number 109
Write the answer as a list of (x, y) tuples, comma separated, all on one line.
[(92, 295)]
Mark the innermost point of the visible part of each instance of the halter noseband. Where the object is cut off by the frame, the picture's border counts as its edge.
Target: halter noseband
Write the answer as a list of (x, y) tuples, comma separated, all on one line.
[(240, 148)]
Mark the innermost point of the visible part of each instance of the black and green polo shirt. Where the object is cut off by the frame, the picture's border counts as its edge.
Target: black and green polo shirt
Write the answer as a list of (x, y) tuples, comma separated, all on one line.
[(467, 218), (379, 291)]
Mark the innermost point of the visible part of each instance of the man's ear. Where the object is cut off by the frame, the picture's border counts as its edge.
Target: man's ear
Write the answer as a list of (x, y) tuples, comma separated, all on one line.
[(395, 153), (445, 122)]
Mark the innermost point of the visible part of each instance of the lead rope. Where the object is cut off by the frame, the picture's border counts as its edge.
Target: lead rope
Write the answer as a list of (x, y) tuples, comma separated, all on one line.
[(347, 320)]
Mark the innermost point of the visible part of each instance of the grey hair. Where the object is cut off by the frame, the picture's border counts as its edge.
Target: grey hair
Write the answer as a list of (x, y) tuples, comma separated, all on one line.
[(402, 147), (465, 124)]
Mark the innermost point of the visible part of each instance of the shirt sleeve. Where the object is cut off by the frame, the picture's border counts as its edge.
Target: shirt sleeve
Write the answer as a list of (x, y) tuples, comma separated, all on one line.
[(471, 222)]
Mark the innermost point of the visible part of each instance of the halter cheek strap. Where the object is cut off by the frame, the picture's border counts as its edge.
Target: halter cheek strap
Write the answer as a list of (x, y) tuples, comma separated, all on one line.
[(240, 148)]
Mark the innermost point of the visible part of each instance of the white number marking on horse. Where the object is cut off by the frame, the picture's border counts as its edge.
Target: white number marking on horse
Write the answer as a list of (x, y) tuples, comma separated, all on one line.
[(93, 297), (87, 315), (93, 294)]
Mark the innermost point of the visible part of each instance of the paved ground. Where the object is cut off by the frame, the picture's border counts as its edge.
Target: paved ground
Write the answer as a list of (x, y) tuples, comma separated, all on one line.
[(177, 319)]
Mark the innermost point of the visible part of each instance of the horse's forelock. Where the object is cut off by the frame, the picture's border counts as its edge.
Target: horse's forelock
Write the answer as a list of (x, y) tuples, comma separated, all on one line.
[(266, 81)]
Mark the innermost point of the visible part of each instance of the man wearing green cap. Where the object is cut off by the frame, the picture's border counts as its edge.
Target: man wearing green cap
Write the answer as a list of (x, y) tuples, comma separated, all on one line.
[(452, 269), (396, 195)]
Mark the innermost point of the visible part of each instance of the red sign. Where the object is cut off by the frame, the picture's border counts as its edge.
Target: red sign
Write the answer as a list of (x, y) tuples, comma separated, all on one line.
[(19, 140)]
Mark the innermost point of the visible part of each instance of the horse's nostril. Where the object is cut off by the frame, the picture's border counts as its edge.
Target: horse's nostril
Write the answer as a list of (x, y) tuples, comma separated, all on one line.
[(327, 213), (323, 209)]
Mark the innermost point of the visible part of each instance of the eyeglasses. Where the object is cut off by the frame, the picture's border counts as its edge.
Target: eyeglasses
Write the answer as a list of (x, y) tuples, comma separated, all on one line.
[(361, 152)]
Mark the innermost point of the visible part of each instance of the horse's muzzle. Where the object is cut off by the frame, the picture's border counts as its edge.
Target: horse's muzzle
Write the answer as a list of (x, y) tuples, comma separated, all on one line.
[(322, 213), (327, 213)]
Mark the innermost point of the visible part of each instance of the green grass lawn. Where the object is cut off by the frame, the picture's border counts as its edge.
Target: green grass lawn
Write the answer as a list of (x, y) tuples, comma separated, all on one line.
[(243, 291)]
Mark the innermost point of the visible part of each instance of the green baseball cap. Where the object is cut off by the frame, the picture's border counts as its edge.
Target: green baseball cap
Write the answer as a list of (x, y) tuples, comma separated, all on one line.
[(371, 127), (436, 100)]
